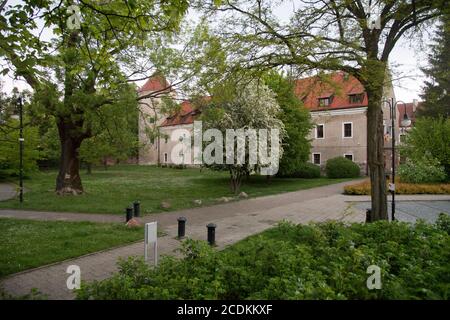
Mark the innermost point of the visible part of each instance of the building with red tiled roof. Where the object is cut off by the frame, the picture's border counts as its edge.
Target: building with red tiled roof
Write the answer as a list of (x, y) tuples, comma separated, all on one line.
[(337, 103), (336, 91), (186, 115)]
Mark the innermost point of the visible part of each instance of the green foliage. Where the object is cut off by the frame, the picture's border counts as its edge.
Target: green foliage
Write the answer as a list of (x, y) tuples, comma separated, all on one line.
[(297, 123), (318, 261), (9, 150), (341, 167), (115, 130), (423, 170), (304, 170), (443, 222), (431, 138), (437, 86)]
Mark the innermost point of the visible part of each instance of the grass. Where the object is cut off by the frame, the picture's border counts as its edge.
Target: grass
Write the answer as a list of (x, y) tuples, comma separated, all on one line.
[(27, 244), (110, 191)]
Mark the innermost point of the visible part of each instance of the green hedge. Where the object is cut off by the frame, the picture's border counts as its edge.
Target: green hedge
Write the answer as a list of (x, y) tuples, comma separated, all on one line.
[(341, 167), (305, 170), (320, 261)]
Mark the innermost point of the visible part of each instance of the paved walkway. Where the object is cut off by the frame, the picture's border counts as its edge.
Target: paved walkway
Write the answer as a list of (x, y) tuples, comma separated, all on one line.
[(7, 191), (411, 211), (235, 221)]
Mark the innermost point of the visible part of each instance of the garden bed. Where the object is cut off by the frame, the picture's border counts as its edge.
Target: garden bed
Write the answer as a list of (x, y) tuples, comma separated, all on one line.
[(363, 188), (320, 261)]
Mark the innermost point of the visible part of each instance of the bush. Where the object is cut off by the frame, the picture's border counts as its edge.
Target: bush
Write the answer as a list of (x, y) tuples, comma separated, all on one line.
[(318, 261), (363, 188), (305, 170), (341, 167), (424, 170), (429, 136)]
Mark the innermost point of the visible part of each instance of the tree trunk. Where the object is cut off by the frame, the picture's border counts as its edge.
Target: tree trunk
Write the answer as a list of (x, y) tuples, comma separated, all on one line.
[(375, 156), (235, 180), (68, 180)]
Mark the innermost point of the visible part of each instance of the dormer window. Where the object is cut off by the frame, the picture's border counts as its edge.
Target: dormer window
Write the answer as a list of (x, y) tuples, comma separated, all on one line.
[(324, 102), (355, 98)]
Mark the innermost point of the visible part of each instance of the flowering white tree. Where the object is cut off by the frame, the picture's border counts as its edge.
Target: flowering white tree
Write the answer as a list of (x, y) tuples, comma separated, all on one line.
[(247, 117)]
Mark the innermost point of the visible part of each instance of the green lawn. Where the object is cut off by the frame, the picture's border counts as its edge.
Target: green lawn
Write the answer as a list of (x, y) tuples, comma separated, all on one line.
[(27, 244), (112, 190)]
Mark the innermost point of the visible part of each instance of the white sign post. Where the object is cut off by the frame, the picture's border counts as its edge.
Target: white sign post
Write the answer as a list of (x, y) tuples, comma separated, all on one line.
[(151, 236)]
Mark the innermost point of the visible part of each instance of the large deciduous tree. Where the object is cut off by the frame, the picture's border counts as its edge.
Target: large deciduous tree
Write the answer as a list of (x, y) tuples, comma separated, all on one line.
[(354, 36), (80, 70), (297, 122)]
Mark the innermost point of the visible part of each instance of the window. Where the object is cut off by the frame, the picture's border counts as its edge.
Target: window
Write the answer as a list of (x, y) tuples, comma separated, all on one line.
[(349, 156), (165, 156), (347, 130), (320, 131), (166, 138), (316, 158), (324, 102), (356, 98)]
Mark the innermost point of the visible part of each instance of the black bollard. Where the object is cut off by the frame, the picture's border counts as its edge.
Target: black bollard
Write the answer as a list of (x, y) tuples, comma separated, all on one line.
[(137, 208), (181, 227), (368, 212), (129, 213), (211, 233)]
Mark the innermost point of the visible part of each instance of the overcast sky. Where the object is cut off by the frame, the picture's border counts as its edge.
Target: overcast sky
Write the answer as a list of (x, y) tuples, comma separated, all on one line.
[(405, 62)]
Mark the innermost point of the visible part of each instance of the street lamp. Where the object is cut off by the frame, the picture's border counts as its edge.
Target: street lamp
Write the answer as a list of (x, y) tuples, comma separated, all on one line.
[(406, 122)]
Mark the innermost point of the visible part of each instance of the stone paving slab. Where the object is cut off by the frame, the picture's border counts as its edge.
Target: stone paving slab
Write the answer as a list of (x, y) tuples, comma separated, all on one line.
[(411, 211), (235, 222)]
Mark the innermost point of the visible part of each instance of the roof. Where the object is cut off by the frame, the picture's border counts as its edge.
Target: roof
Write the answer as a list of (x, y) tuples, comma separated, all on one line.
[(186, 115), (410, 111), (339, 86), (156, 82)]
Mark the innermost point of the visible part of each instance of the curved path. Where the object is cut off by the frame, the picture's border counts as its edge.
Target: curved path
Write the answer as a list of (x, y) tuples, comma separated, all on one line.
[(235, 221)]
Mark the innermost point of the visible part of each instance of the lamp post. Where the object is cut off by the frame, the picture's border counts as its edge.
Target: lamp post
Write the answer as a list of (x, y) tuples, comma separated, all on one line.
[(21, 140), (406, 122)]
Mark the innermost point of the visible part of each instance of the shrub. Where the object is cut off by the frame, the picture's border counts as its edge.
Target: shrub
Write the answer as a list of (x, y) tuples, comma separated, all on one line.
[(363, 188), (341, 167), (305, 170), (318, 261), (429, 136), (423, 170)]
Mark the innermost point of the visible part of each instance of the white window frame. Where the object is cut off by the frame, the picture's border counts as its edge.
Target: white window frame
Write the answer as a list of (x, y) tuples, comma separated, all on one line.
[(166, 157), (320, 158), (350, 154), (343, 130), (323, 130)]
